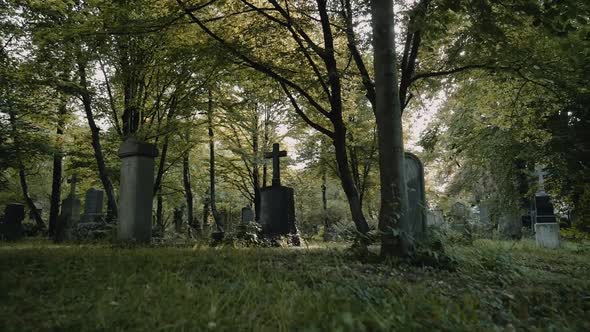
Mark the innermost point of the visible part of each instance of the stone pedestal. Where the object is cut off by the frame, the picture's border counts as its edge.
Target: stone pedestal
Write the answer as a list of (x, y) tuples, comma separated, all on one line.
[(277, 210), (136, 191), (547, 235)]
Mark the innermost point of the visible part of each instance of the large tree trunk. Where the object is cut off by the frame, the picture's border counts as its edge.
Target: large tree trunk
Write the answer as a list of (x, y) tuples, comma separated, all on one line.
[(346, 179), (160, 214), (23, 177), (327, 226), (393, 219), (214, 211), (30, 204), (57, 170), (112, 211)]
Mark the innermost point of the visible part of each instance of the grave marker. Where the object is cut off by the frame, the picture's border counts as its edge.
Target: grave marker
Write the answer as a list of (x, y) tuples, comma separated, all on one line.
[(70, 213), (414, 171), (11, 228), (136, 190), (93, 205), (277, 206)]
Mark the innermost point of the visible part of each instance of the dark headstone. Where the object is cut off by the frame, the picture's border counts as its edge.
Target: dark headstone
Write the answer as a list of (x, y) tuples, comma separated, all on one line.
[(544, 212), (70, 214), (277, 203), (247, 215), (416, 193), (510, 224), (93, 205), (12, 227), (277, 210)]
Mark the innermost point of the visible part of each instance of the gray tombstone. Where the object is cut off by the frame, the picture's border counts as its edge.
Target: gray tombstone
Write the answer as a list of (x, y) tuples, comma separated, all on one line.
[(510, 224), (547, 235), (12, 227), (70, 214), (414, 171), (136, 190), (93, 205), (277, 203), (247, 215), (459, 216), (435, 218)]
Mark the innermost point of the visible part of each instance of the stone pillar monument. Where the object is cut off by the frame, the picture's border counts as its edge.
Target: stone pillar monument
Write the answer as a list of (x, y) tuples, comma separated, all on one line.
[(277, 203), (136, 191)]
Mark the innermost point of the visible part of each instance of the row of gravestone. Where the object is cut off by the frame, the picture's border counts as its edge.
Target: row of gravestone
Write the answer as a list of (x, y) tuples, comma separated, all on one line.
[(11, 225), (277, 212)]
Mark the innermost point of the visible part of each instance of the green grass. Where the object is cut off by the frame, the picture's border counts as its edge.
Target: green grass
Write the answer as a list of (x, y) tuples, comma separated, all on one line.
[(498, 286)]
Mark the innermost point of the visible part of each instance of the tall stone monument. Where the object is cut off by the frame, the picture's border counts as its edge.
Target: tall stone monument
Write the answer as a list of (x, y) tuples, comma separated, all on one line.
[(70, 213), (277, 203), (416, 193), (136, 191)]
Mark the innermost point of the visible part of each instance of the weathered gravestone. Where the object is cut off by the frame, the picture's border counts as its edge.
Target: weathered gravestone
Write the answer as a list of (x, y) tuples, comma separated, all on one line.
[(70, 214), (247, 215), (93, 205), (435, 218), (12, 226), (547, 235), (277, 203), (136, 191), (414, 171), (510, 224), (459, 215)]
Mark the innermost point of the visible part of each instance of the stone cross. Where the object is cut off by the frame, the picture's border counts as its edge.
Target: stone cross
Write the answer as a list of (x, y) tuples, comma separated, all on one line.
[(72, 181), (276, 167), (540, 173)]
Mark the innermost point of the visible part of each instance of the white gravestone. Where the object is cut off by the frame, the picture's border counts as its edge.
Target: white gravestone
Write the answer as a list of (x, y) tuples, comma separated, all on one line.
[(547, 235)]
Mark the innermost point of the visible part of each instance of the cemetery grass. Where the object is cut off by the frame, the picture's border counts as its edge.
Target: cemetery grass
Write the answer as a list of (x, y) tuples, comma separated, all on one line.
[(495, 286)]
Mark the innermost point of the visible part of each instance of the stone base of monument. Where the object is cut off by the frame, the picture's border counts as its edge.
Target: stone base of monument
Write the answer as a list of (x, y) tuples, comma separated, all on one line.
[(277, 211), (547, 235), (136, 193)]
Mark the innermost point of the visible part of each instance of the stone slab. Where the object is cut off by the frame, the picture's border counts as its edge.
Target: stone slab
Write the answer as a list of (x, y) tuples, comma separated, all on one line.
[(277, 210), (414, 172), (547, 235), (12, 226)]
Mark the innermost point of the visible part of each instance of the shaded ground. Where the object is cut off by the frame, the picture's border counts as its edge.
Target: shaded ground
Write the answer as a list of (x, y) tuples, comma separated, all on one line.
[(498, 286)]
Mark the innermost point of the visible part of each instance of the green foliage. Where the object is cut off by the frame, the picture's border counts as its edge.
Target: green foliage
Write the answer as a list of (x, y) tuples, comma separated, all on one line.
[(498, 286)]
